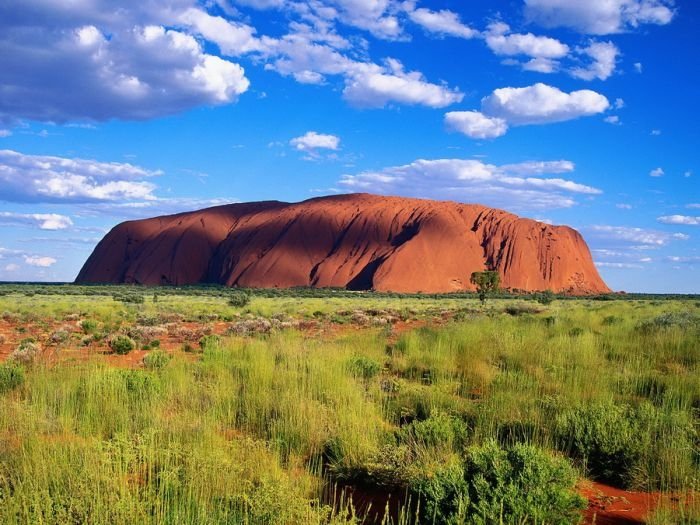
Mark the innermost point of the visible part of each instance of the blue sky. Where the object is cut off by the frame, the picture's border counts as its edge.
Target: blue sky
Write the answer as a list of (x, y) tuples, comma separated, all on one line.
[(567, 111)]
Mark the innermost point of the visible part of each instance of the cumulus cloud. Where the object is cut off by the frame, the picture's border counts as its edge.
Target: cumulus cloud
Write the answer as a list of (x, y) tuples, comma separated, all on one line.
[(501, 42), (679, 219), (476, 125), (599, 17), (73, 62), (312, 141), (44, 178), (232, 38), (514, 186), (536, 104), (40, 261), (656, 172), (444, 22), (612, 119), (542, 104), (44, 221)]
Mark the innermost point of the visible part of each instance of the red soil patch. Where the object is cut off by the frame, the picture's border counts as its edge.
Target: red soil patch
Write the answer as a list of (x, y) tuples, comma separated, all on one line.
[(612, 506)]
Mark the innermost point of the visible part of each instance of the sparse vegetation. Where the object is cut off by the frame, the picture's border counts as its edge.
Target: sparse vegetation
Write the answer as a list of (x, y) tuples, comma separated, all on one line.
[(450, 407)]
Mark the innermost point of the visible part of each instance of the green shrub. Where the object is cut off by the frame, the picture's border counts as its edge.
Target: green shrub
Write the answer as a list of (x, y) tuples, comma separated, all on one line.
[(121, 344), (605, 437), (438, 430), (545, 297), (88, 326), (238, 299), (209, 341), (611, 320), (156, 360), (364, 367), (521, 309), (441, 494), (520, 484), (11, 376)]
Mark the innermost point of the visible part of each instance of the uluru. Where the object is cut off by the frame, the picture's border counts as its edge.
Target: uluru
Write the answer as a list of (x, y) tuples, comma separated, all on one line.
[(353, 241)]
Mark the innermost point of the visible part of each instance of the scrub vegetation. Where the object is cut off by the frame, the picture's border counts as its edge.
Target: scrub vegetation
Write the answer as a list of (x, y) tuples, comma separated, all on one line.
[(352, 408)]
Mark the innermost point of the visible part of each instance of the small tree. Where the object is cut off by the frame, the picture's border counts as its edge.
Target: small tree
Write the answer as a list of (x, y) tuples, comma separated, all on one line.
[(486, 282)]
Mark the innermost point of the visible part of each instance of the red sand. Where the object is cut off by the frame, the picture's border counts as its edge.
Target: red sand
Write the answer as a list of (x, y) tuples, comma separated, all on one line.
[(356, 241)]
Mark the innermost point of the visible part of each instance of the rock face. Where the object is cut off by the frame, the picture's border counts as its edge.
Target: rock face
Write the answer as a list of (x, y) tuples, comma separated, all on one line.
[(356, 241)]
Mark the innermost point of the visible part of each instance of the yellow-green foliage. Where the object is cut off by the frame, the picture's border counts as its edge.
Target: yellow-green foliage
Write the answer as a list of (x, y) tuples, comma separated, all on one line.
[(261, 429)]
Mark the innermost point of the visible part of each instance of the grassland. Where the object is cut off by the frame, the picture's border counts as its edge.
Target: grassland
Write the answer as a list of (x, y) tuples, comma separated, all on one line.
[(352, 408)]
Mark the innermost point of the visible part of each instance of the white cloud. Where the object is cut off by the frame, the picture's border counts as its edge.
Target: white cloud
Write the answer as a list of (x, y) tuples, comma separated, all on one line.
[(233, 39), (638, 67), (44, 221), (623, 206), (5, 133), (511, 186), (43, 178), (312, 141), (475, 125), (683, 259), (680, 219), (656, 132), (12, 267), (619, 103), (541, 104), (372, 88), (536, 104), (444, 22), (367, 85), (612, 119), (618, 265), (603, 57), (599, 17), (540, 65), (40, 261), (656, 172), (502, 43), (638, 236), (73, 62)]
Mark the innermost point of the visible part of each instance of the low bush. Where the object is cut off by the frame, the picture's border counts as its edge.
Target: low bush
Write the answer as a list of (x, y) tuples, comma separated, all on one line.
[(209, 341), (88, 326), (364, 367), (26, 352), (522, 309), (520, 484), (121, 344), (238, 299), (545, 297), (11, 376), (631, 447), (156, 360)]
